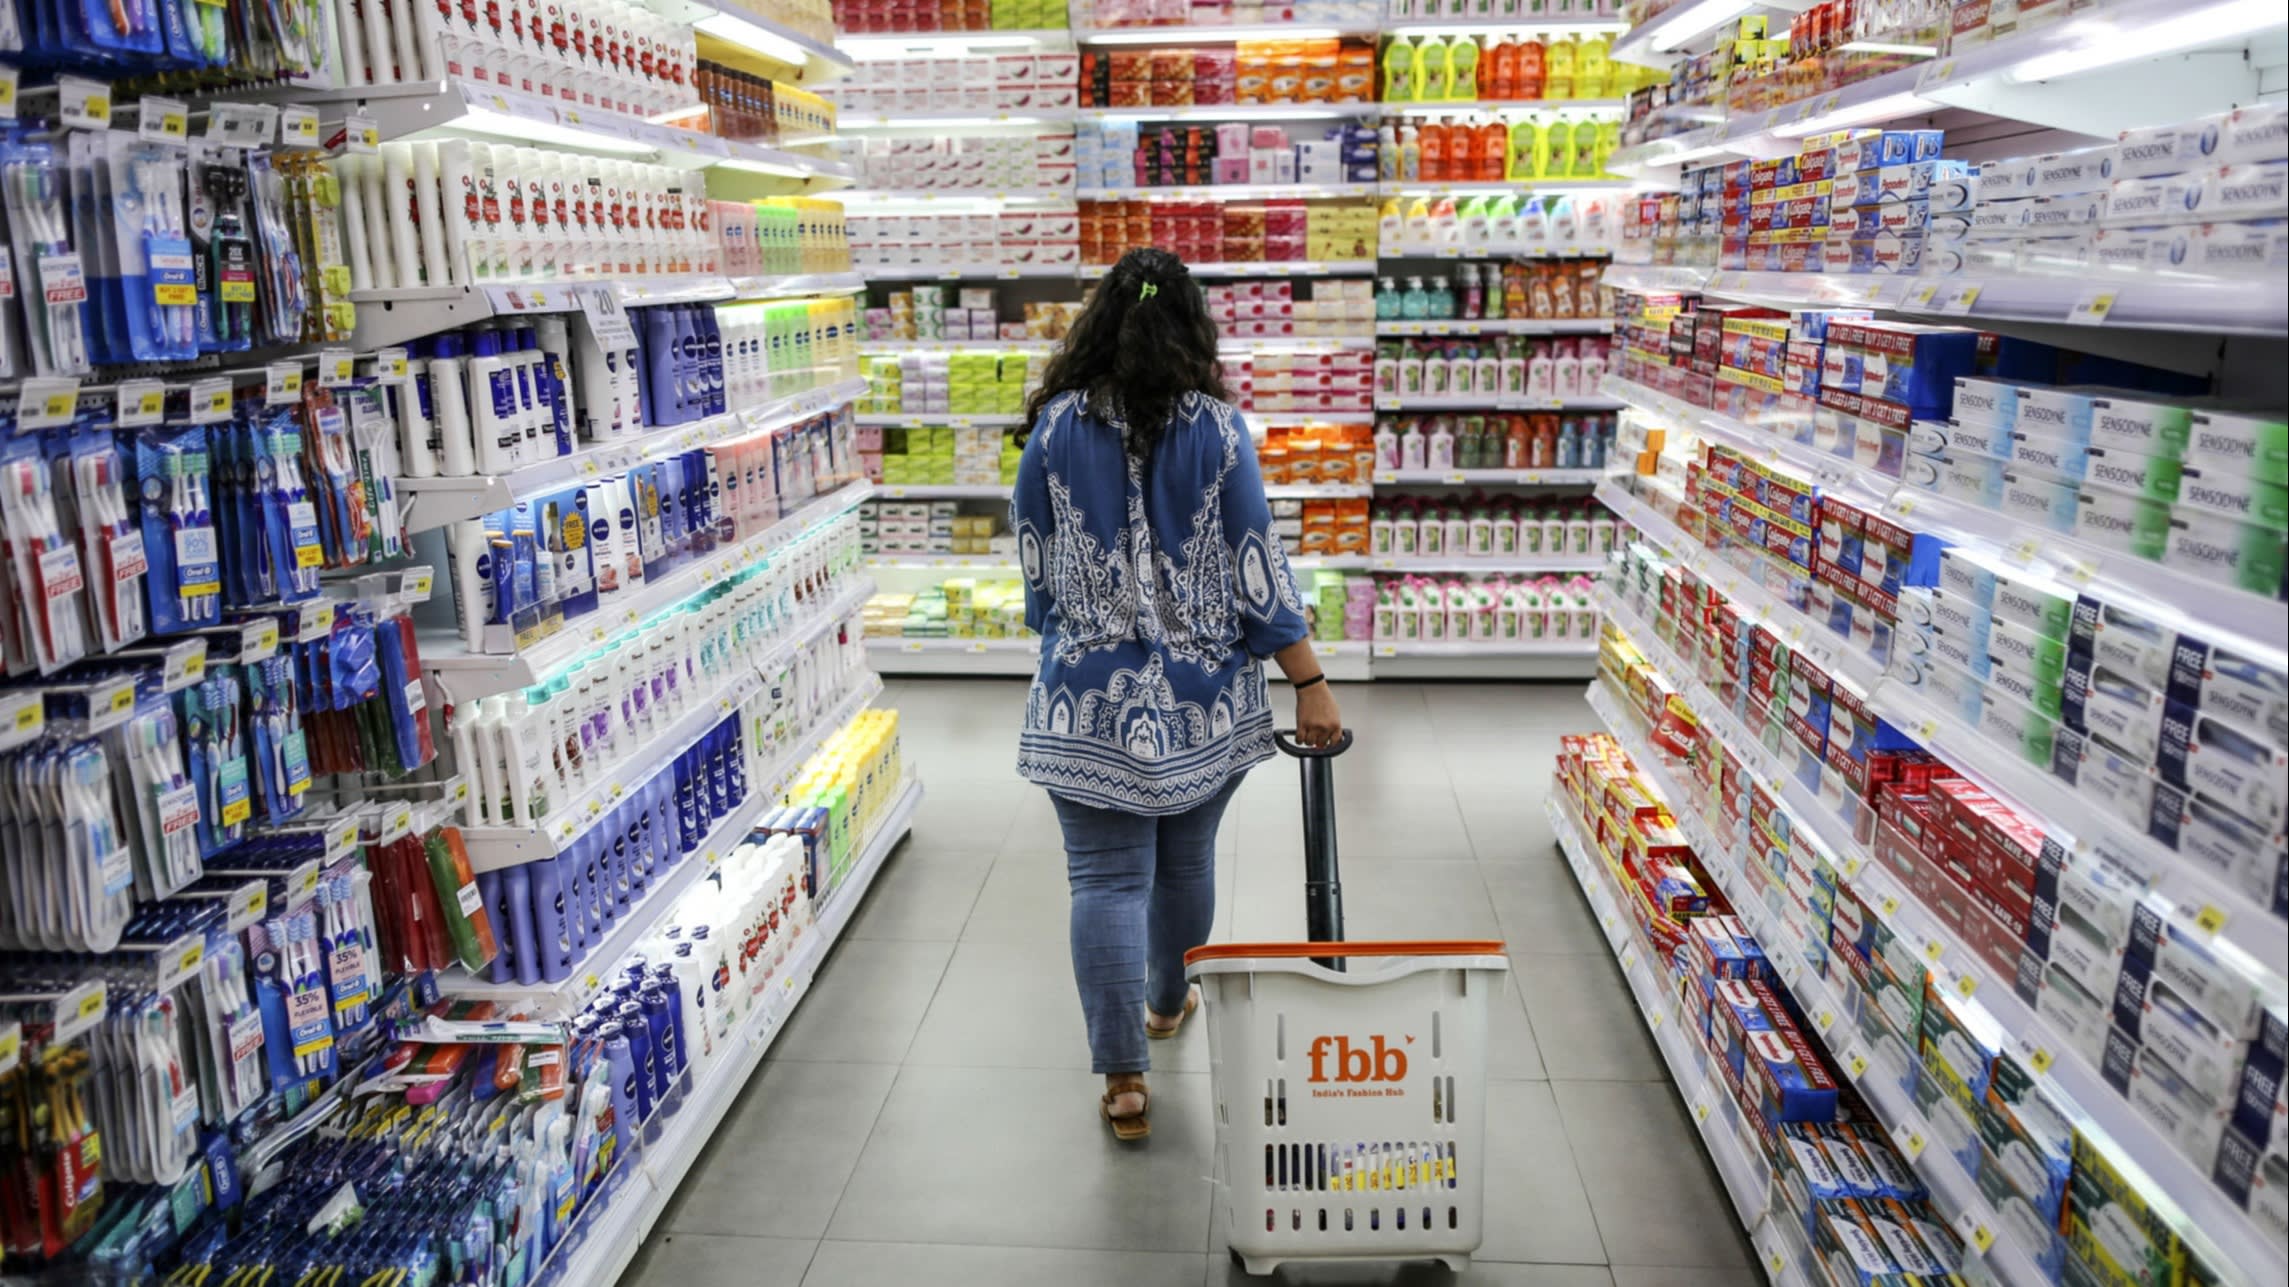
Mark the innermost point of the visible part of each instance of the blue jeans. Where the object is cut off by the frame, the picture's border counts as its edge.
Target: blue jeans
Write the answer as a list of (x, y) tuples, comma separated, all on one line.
[(1144, 894)]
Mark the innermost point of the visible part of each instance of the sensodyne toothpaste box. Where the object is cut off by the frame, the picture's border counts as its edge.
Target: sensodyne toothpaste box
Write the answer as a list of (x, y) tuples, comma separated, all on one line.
[(2244, 135)]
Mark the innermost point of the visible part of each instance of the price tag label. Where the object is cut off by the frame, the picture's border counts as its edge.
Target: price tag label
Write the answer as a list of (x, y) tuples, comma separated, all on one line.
[(2039, 1059), (282, 383), (1959, 300), (910, 645), (298, 126), (210, 401), (9, 78), (46, 404), (1966, 984), (1921, 297), (1910, 1141), (1934, 73), (360, 136), (2210, 919), (1700, 1110), (390, 364), (1891, 906), (29, 717), (141, 402), (162, 120), (1856, 1062), (1932, 948), (1775, 1262), (1824, 1020), (2091, 309), (336, 368), (86, 103)]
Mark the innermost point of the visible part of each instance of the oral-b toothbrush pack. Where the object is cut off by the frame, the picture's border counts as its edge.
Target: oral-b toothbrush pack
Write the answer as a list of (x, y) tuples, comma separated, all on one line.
[(222, 247), (211, 712), (153, 290), (49, 274), (180, 543), (281, 751), (290, 989)]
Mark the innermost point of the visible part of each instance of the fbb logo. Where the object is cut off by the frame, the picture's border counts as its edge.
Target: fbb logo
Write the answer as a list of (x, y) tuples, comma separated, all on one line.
[(1374, 1061)]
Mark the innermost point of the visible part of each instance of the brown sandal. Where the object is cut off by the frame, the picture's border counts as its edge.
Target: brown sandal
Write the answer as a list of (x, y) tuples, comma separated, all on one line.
[(1131, 1127), (1191, 1003)]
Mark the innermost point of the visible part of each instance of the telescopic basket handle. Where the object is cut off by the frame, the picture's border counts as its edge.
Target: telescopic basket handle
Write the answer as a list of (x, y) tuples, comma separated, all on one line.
[(1284, 738)]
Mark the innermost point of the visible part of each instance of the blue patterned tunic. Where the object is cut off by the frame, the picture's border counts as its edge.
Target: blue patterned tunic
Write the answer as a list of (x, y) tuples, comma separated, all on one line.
[(1156, 593)]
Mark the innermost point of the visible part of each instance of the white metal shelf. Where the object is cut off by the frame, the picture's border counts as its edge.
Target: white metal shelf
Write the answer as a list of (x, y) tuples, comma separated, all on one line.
[(1739, 1161), (1955, 1194), (1499, 326), (1263, 268), (1489, 477), (607, 1233), (1500, 187), (492, 848), (1263, 419), (1502, 107), (1527, 251), (873, 46), (1000, 563), (2254, 305), (1235, 112), (864, 196), (1520, 565), (956, 346), (1491, 649), (954, 117), (437, 501), (1493, 402), (468, 675), (1232, 192), (1345, 661), (1958, 970), (968, 272), (739, 23), (941, 491), (1216, 33), (916, 420), (2250, 623), (1801, 631), (1491, 24), (797, 285)]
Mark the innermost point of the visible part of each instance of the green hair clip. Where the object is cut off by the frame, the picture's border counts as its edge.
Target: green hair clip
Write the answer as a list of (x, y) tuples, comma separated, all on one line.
[(1147, 291)]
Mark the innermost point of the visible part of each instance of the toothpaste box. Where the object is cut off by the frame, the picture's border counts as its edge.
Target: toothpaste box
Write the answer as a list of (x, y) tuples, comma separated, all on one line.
[(2118, 1225), (1785, 1078), (1736, 1012), (2030, 1133), (1961, 1058)]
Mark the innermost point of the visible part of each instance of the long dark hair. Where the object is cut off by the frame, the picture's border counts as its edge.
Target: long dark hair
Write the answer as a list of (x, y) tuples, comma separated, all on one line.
[(1144, 339)]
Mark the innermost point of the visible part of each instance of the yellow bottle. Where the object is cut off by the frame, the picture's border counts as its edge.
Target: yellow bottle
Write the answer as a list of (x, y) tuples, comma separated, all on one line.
[(1593, 71), (1431, 69), (1399, 85), (1462, 69), (1526, 150), (1558, 64)]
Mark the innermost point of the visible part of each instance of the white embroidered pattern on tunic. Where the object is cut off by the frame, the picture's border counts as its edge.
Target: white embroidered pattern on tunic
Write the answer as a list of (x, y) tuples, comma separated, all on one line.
[(1150, 694)]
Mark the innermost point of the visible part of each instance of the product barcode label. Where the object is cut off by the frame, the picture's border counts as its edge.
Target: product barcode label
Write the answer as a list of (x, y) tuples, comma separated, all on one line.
[(469, 899)]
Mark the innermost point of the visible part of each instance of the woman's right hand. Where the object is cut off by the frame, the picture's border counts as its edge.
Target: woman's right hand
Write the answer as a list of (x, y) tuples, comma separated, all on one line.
[(1318, 722)]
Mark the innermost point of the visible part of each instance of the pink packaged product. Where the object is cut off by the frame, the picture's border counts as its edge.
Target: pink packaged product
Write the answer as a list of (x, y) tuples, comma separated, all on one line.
[(1232, 139), (1268, 136)]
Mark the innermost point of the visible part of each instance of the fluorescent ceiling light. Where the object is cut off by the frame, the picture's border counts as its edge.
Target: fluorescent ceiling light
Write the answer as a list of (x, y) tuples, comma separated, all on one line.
[(739, 31), (482, 120), (1887, 47), (2110, 44), (1888, 108), (1696, 17)]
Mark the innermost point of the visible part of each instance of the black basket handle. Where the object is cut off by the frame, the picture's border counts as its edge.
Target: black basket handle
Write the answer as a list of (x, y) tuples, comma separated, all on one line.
[(1284, 738)]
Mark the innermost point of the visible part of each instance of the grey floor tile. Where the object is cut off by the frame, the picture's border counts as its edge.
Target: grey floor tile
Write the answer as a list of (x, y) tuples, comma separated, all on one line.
[(1223, 1272), (1018, 1157), (867, 1001), (1657, 1200), (1586, 1018), (1694, 1276), (1505, 821), (924, 892), (708, 1260), (1013, 1005), (971, 812), (1541, 907), (874, 1264), (1536, 1209), (1491, 712), (1025, 900), (819, 1112), (1512, 1052), (1377, 821)]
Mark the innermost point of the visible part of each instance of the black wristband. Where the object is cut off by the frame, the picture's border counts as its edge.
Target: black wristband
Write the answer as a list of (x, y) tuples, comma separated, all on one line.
[(1302, 684)]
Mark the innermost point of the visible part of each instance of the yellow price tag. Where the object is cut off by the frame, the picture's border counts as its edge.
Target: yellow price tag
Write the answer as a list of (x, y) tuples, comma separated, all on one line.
[(1824, 1020), (28, 717), (1775, 1262), (91, 1004), (1701, 1110), (1891, 905), (151, 402), (123, 700), (1912, 1145), (2039, 1059), (219, 401), (1966, 984), (1858, 1064), (1932, 948), (1982, 1238), (57, 406), (2091, 309), (191, 957), (2210, 918), (237, 811)]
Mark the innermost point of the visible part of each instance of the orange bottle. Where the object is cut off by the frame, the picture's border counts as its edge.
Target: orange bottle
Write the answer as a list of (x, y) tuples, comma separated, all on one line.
[(1493, 151), (1433, 138), (1500, 80), (1529, 77)]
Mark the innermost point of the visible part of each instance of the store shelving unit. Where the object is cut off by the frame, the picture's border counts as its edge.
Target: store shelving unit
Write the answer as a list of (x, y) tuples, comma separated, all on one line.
[(1492, 402), (1497, 326), (609, 1233)]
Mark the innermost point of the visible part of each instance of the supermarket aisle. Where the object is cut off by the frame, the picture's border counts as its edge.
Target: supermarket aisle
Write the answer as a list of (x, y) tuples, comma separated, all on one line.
[(928, 1117)]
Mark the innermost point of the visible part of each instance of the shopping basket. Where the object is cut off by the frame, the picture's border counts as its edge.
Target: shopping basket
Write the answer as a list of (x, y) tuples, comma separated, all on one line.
[(1350, 1107)]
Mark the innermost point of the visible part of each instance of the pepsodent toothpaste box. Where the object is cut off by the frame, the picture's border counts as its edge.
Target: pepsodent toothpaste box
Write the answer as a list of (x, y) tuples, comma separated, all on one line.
[(1787, 1079)]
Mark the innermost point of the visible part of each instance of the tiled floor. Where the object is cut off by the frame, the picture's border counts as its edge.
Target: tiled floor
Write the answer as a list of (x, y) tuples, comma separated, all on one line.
[(928, 1117)]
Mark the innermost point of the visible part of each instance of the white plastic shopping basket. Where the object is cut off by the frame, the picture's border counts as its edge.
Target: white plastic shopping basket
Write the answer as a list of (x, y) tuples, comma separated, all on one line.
[(1350, 1108)]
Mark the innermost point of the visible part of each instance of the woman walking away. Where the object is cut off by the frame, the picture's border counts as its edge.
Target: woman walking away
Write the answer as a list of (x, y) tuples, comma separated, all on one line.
[(1157, 585)]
